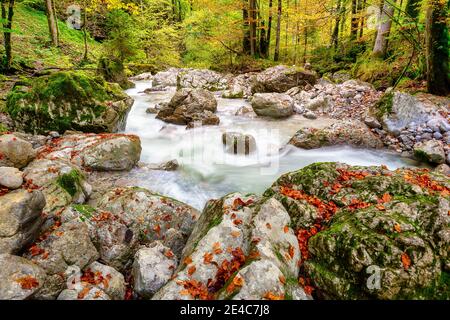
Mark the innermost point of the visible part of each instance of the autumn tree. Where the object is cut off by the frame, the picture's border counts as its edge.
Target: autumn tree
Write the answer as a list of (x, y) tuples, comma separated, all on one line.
[(7, 22), (437, 48), (52, 22)]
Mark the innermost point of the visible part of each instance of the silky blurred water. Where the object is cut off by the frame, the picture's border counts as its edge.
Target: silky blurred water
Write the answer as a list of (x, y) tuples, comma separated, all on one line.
[(207, 171)]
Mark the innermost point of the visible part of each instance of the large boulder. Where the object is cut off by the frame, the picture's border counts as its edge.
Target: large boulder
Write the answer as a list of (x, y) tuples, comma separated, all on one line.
[(68, 101), (397, 109), (15, 152), (274, 105), (201, 79), (282, 78), (350, 132), (115, 240), (20, 279), (430, 151), (166, 78), (20, 219), (189, 106), (238, 249), (151, 216), (99, 152), (66, 245), (153, 267), (370, 233)]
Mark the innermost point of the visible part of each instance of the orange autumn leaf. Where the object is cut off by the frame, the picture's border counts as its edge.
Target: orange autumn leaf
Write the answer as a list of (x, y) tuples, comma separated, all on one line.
[(168, 253), (184, 292), (207, 258), (235, 234), (286, 229), (83, 293), (291, 251), (191, 270), (268, 225), (397, 227), (406, 261), (216, 248), (237, 222), (28, 282), (188, 260), (272, 296), (282, 279), (238, 281), (386, 198)]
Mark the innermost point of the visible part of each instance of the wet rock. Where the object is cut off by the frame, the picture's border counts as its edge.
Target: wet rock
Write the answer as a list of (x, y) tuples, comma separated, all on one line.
[(15, 152), (282, 78), (20, 279), (65, 246), (317, 103), (190, 105), (310, 115), (431, 151), (57, 102), (20, 219), (238, 143), (10, 177), (142, 77), (353, 133), (443, 168), (246, 112), (274, 105), (153, 267)]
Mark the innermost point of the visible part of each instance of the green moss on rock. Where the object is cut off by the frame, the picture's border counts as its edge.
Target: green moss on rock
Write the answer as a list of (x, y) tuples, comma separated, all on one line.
[(70, 182), (67, 101)]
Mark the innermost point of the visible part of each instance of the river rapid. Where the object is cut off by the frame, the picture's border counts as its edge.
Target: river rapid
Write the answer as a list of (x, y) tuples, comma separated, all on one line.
[(207, 171)]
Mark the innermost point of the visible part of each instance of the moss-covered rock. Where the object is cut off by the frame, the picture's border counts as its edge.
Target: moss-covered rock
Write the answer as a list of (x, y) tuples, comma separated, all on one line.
[(367, 232), (350, 132), (68, 101)]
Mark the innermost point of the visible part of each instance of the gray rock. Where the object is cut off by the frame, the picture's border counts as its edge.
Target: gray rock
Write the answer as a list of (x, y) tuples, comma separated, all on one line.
[(10, 177), (274, 105), (310, 115), (142, 77), (282, 78), (437, 135), (246, 112), (114, 285), (66, 246), (88, 292), (20, 279), (15, 152), (190, 105), (20, 219), (166, 78), (153, 267), (404, 109), (201, 79), (431, 151), (443, 168), (372, 122)]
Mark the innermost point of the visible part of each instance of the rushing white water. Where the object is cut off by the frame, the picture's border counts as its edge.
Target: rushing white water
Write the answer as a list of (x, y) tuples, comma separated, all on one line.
[(207, 171)]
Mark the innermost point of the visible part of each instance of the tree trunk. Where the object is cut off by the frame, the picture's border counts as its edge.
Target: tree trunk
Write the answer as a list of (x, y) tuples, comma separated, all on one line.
[(335, 35), (52, 24), (245, 19), (384, 29), (252, 23), (269, 27), (277, 42), (7, 17), (354, 20), (438, 81), (85, 55)]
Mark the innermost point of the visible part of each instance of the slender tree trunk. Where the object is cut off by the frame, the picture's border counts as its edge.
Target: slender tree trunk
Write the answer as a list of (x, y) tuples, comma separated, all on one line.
[(252, 22), (245, 19), (7, 17), (277, 43), (85, 54), (335, 34), (52, 27), (55, 12), (384, 29), (305, 44), (269, 27), (354, 20), (363, 18), (286, 38), (297, 32), (438, 81)]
